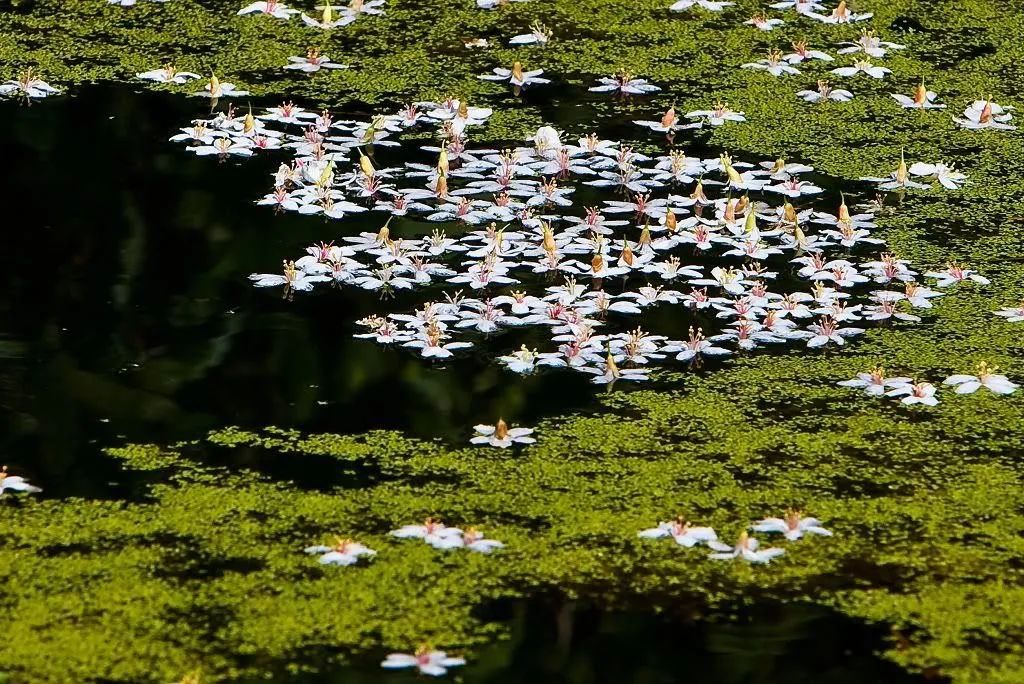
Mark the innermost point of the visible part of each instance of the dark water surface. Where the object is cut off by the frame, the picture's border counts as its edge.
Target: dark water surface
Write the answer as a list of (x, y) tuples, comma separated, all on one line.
[(127, 316)]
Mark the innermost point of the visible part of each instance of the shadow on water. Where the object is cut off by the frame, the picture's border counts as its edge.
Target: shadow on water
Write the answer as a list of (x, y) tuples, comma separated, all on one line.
[(569, 643)]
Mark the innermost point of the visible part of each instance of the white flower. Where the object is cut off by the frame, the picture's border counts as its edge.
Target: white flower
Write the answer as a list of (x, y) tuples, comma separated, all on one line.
[(746, 548), (433, 663), (625, 84), (986, 377), (827, 330), (862, 67), (344, 552), (922, 99), (871, 45), (986, 114), (539, 35), (15, 483), (717, 116), (327, 19), (1012, 314), (215, 89), (28, 85), (270, 7), (127, 3), (471, 539), (313, 62), (801, 52), (292, 279), (954, 274), (793, 526), (915, 393), (523, 361), (840, 15), (167, 74), (948, 177), (516, 76), (874, 382), (501, 435), (773, 64), (824, 93), (432, 531), (681, 531), (710, 5), (763, 23), (546, 140)]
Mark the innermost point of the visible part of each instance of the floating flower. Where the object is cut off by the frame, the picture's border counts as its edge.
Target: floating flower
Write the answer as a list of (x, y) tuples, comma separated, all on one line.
[(871, 45), (948, 177), (167, 74), (292, 279), (432, 531), (954, 274), (516, 76), (827, 330), (471, 539), (538, 35), (15, 483), (824, 93), (862, 67), (898, 179), (802, 6), (1013, 314), (327, 19), (746, 548), (624, 84), (681, 531), (272, 8), (29, 85), (477, 43), (501, 435), (986, 377), (215, 89), (793, 526), (874, 382), (717, 116), (761, 22), (983, 114), (773, 64), (841, 15), (344, 552), (801, 52), (313, 62), (710, 5), (915, 393), (433, 663), (128, 3), (922, 99)]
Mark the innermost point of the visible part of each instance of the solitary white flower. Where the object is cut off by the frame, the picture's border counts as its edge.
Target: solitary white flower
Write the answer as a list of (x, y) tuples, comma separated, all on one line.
[(862, 67), (501, 435), (986, 377), (270, 7), (828, 330), (15, 483), (898, 179), (874, 382), (915, 393), (717, 116), (746, 548), (922, 99), (516, 76), (29, 85), (710, 5), (292, 278), (344, 552), (471, 539), (1013, 314), (522, 361), (313, 62), (761, 22), (625, 84), (824, 93), (432, 531), (947, 176), (871, 45), (773, 64), (840, 15), (538, 35), (433, 663), (215, 89), (793, 526), (986, 114), (167, 74), (954, 274), (681, 531), (328, 19), (801, 52)]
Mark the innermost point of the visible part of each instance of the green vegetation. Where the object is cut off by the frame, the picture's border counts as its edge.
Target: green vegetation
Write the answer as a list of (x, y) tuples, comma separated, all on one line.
[(927, 504)]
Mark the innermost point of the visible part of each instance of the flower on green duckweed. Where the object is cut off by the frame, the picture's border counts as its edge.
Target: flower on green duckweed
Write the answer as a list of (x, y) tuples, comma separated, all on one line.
[(954, 274), (710, 5), (871, 45), (428, 662), (915, 393), (862, 66), (792, 525), (840, 15), (516, 76), (1013, 314), (986, 377), (874, 382), (746, 548), (271, 8), (167, 74), (343, 552), (29, 85), (922, 99), (982, 114), (681, 531), (762, 22), (215, 89), (432, 531), (313, 62), (501, 435), (824, 93), (539, 35), (948, 176), (15, 483), (471, 539)]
